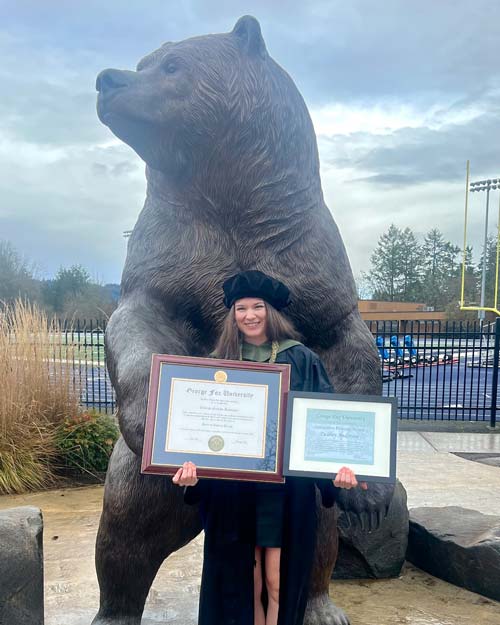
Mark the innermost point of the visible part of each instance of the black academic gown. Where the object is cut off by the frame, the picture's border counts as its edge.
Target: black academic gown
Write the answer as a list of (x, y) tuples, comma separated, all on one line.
[(228, 511)]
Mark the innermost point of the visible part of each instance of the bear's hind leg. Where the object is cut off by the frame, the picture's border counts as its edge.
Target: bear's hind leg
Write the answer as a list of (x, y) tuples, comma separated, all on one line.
[(321, 611), (144, 519), (320, 608)]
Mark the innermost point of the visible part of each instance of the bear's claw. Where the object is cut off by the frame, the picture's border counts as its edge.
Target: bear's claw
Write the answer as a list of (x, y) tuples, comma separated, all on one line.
[(322, 611)]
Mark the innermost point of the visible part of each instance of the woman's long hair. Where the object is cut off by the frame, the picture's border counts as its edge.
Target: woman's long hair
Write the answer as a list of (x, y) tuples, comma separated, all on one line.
[(278, 328)]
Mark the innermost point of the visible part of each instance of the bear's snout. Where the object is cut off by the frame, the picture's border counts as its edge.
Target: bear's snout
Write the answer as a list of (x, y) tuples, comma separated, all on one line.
[(111, 79)]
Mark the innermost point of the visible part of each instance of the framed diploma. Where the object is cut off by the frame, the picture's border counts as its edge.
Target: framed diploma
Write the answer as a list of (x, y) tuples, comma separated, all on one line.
[(325, 432), (226, 416)]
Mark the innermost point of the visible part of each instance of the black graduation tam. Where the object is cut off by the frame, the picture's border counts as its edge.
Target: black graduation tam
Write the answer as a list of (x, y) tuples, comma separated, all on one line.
[(255, 284)]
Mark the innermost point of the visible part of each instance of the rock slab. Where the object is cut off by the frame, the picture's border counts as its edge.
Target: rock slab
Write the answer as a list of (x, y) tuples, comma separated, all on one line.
[(21, 566), (458, 545), (377, 553)]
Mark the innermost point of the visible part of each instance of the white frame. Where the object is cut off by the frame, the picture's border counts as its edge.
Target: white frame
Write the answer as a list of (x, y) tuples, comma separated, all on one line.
[(384, 409)]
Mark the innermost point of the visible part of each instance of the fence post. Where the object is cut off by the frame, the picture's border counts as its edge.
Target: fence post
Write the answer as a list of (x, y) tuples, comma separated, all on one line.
[(494, 389)]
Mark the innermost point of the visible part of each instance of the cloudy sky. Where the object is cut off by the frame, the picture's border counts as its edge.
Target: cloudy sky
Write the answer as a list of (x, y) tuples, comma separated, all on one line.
[(401, 92)]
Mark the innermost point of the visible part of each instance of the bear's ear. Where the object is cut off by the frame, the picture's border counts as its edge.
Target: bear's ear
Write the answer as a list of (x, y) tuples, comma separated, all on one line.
[(247, 30)]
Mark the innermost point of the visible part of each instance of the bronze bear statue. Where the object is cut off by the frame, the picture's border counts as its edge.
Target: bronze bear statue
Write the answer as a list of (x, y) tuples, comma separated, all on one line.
[(233, 184)]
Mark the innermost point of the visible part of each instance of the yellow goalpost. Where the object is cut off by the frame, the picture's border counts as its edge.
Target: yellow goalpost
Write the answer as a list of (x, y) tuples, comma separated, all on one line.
[(493, 308)]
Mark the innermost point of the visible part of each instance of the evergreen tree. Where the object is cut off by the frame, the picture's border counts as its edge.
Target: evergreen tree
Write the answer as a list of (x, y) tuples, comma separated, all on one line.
[(491, 263), (471, 292), (396, 266), (386, 260), (411, 287), (431, 272), (441, 269)]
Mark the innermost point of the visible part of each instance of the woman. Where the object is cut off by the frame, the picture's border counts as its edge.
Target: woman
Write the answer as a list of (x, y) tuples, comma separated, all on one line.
[(272, 526)]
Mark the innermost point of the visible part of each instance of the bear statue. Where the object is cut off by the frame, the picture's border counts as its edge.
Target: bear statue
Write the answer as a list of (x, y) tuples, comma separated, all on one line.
[(232, 184)]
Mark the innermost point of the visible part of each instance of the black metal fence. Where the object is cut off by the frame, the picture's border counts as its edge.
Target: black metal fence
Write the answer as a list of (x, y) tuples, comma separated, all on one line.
[(440, 370), (437, 370), (83, 341)]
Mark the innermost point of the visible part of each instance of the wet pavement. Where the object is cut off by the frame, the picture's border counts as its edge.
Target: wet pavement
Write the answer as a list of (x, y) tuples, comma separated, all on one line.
[(429, 470)]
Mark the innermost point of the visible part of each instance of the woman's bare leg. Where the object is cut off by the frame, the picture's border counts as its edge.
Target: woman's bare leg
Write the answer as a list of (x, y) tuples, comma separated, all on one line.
[(259, 616), (272, 572)]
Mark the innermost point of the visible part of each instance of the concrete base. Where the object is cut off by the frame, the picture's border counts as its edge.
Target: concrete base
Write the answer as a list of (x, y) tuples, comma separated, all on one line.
[(430, 475)]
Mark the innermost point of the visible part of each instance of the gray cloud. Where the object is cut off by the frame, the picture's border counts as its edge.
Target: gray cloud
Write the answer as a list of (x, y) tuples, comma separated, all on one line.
[(409, 156), (73, 209), (339, 49), (68, 190), (423, 155)]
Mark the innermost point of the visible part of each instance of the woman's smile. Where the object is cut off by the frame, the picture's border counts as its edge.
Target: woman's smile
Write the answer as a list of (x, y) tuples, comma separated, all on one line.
[(250, 314)]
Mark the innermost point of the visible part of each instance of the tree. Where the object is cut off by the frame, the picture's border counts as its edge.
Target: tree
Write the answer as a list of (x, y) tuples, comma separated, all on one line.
[(16, 275), (69, 283), (452, 308), (70, 293), (491, 264), (403, 269), (364, 286), (386, 263), (94, 303), (396, 266), (471, 293), (411, 259), (440, 269)]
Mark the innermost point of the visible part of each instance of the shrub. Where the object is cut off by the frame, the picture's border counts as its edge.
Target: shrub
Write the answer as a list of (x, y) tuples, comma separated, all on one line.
[(85, 442), (36, 395)]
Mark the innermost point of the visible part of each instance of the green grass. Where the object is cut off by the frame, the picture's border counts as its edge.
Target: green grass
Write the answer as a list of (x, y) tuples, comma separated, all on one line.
[(81, 346)]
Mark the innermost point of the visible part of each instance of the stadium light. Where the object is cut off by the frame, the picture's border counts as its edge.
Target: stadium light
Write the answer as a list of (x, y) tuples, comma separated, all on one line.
[(484, 185)]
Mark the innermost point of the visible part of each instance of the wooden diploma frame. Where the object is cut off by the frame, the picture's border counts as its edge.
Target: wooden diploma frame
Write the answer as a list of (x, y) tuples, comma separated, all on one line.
[(226, 416)]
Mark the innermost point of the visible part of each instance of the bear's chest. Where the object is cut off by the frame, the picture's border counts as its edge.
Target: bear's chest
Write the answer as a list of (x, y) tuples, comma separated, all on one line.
[(188, 257)]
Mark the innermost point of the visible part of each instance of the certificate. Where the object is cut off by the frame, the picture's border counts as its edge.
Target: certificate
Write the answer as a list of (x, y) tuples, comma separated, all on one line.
[(325, 432), (208, 418), (226, 416)]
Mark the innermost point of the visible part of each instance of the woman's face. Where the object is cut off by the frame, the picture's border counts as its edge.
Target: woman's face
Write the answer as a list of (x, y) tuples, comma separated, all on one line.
[(250, 314)]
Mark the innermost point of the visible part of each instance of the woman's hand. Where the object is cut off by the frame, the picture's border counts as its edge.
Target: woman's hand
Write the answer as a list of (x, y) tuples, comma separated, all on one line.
[(186, 475), (346, 479)]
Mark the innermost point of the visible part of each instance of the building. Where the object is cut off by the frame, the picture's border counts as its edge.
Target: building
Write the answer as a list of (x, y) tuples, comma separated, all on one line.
[(404, 315)]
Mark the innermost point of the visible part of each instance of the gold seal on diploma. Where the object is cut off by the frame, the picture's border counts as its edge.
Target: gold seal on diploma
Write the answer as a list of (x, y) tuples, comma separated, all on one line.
[(220, 377), (216, 443)]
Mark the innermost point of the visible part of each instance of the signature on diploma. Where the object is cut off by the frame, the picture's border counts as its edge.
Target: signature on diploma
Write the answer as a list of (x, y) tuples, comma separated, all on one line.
[(241, 442)]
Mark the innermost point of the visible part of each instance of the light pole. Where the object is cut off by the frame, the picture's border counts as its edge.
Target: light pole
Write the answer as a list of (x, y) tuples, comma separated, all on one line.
[(484, 185)]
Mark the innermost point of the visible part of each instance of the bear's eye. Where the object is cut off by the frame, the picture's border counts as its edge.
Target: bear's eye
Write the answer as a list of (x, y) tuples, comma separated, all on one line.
[(170, 68)]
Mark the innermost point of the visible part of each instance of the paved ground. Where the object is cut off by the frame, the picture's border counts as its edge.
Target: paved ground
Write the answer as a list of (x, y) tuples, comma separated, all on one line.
[(428, 468)]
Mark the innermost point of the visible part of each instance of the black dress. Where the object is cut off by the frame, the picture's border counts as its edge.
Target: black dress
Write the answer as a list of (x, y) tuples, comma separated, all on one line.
[(229, 516), (269, 510)]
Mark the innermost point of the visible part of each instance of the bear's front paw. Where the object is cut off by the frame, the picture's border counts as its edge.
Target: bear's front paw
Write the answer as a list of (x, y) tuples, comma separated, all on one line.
[(368, 508), (322, 611)]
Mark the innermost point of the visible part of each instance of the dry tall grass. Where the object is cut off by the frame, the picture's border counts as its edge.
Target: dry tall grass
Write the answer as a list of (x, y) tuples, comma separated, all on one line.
[(36, 394)]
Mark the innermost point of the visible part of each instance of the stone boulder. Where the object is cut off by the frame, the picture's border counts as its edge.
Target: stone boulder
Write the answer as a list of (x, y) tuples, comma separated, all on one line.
[(458, 545), (378, 552), (21, 566)]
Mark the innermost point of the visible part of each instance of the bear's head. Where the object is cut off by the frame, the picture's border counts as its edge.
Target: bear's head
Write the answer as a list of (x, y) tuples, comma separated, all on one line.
[(210, 97)]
